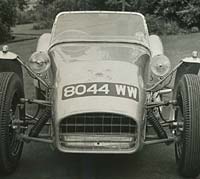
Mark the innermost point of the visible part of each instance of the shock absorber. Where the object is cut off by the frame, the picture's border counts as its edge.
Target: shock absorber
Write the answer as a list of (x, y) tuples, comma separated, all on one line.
[(43, 119), (156, 124)]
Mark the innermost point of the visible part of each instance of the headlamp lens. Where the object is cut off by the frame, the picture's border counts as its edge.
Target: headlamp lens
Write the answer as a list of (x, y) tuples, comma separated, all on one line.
[(39, 62), (160, 65)]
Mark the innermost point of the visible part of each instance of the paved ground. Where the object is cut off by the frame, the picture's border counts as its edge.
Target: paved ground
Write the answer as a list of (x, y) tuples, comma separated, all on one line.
[(40, 162)]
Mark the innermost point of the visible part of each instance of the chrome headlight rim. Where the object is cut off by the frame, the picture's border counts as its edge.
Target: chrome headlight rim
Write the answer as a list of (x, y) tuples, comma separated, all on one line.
[(160, 65), (39, 62)]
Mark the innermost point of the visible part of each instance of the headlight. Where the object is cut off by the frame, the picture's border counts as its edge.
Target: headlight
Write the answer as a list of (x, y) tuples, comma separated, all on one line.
[(160, 65), (39, 62)]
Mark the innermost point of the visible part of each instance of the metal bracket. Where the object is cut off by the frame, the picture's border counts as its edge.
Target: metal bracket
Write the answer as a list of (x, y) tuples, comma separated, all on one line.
[(36, 101)]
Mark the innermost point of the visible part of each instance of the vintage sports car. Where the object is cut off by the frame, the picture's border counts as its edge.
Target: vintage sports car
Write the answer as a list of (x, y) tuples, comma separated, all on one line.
[(102, 86)]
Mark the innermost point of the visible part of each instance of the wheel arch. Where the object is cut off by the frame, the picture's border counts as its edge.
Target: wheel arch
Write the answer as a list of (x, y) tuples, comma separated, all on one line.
[(186, 68), (10, 65)]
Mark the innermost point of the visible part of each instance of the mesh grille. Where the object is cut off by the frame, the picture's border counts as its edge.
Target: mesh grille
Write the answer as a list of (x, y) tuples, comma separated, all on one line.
[(98, 124), (98, 127)]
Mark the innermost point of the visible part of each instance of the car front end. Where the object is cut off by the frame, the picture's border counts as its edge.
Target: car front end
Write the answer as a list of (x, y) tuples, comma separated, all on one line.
[(98, 82), (98, 110)]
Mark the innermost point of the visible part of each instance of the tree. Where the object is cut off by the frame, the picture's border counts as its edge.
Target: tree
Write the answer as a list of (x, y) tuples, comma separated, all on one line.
[(189, 14), (8, 12), (162, 14), (45, 2), (118, 4), (21, 4), (96, 5), (7, 18)]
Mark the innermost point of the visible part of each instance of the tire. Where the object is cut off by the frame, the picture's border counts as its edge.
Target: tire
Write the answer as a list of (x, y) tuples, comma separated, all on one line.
[(11, 90), (187, 147)]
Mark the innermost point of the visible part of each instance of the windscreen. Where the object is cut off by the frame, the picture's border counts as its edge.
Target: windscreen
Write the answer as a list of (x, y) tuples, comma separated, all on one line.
[(101, 26), (71, 52)]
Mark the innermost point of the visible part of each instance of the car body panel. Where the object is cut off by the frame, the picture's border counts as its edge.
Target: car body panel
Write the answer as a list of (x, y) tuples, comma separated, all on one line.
[(101, 73), (99, 66), (8, 56)]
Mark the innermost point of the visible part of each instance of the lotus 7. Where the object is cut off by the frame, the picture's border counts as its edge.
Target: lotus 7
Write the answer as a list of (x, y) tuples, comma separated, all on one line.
[(102, 86)]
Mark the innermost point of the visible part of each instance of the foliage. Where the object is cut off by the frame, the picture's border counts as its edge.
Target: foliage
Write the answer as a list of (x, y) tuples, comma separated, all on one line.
[(45, 2), (21, 4), (189, 15), (118, 4), (4, 31), (25, 17), (7, 12), (163, 16), (50, 10), (7, 18), (155, 24)]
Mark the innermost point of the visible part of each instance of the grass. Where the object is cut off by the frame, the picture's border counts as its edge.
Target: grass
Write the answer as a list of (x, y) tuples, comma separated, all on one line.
[(181, 46), (28, 29), (26, 32)]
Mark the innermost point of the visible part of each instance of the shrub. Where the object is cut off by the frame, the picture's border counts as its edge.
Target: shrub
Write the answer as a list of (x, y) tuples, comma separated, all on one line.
[(25, 17), (158, 25), (171, 28), (194, 29), (155, 24), (42, 25), (4, 31), (163, 16), (7, 18)]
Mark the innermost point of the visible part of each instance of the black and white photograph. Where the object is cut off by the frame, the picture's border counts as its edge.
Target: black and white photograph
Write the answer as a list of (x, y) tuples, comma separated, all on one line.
[(99, 89)]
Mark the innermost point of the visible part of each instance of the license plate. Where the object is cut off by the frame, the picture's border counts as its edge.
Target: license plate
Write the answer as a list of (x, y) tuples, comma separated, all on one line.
[(100, 89)]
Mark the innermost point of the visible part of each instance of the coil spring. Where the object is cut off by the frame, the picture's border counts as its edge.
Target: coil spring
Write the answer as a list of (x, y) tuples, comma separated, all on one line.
[(43, 119), (156, 124)]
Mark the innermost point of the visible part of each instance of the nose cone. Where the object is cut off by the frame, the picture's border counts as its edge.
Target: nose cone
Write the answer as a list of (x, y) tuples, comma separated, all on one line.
[(98, 86)]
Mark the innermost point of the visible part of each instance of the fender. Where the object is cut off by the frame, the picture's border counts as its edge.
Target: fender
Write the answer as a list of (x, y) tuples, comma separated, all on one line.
[(156, 45), (9, 63), (43, 46), (190, 65), (43, 42)]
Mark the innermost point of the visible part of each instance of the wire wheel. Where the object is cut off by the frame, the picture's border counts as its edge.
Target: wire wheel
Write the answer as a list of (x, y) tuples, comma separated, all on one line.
[(13, 140), (179, 129), (11, 90), (187, 115)]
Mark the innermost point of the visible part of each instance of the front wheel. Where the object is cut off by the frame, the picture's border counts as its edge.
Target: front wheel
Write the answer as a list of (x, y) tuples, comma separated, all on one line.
[(187, 147), (11, 90)]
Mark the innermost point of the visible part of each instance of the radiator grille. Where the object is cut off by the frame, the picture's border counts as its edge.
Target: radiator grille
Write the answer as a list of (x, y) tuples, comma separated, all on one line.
[(90, 129)]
